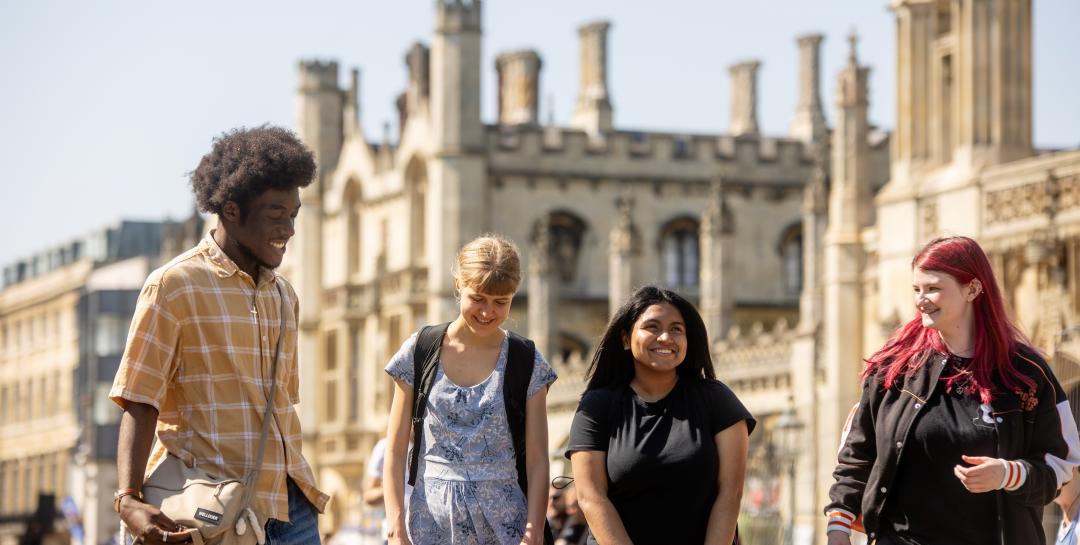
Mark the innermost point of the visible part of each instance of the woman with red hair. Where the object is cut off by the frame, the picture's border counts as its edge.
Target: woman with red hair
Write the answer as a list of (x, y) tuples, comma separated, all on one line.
[(962, 434)]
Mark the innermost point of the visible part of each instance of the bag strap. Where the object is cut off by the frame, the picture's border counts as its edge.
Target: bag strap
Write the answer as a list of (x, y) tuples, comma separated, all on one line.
[(425, 364), (520, 359), (268, 414)]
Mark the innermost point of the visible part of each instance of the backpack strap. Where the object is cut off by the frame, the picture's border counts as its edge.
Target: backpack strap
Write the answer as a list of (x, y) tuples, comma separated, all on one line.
[(520, 358), (425, 365)]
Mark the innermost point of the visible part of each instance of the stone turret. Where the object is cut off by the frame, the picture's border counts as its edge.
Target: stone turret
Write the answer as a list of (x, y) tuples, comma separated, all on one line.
[(744, 98), (809, 122), (455, 75), (351, 110), (319, 112), (849, 213), (457, 170), (594, 112), (418, 63), (519, 85)]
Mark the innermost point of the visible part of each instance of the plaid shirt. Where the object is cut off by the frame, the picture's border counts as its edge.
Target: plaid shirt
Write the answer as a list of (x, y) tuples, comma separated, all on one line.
[(200, 350)]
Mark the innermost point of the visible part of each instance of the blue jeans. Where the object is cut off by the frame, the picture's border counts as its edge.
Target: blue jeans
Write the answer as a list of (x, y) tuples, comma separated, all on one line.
[(303, 525)]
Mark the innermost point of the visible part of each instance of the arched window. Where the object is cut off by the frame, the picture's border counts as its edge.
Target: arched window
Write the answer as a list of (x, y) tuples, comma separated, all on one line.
[(416, 181), (352, 227), (791, 252), (567, 234), (679, 253)]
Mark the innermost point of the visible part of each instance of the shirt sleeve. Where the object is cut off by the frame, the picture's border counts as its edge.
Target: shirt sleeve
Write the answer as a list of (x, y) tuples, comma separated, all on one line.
[(542, 374), (149, 359), (726, 408), (591, 427), (401, 365)]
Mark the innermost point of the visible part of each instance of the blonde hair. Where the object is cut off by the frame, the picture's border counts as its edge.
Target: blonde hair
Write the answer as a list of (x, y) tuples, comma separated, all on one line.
[(488, 264)]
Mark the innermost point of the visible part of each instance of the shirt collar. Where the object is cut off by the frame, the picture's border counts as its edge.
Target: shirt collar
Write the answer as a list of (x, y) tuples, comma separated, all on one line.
[(223, 265)]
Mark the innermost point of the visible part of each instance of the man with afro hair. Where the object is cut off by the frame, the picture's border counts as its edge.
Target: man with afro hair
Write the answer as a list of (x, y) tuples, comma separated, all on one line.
[(196, 369)]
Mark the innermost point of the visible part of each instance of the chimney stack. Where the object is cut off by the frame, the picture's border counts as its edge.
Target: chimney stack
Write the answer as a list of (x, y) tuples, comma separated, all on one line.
[(744, 98), (519, 85), (809, 123), (593, 112)]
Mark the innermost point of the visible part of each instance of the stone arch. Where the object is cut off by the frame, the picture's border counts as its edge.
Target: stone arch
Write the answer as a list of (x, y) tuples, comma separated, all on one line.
[(680, 252), (790, 248), (416, 186), (566, 236)]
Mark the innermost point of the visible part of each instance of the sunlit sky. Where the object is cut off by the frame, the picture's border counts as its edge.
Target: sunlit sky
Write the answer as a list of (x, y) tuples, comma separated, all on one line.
[(107, 105)]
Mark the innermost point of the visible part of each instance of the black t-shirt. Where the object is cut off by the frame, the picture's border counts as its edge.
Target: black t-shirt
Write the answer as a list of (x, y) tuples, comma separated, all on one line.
[(928, 505), (662, 463)]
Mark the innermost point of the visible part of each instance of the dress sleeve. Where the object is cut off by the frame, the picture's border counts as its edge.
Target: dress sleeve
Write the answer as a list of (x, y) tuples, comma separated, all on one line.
[(149, 359), (1054, 448), (542, 374), (591, 427), (726, 409), (401, 365)]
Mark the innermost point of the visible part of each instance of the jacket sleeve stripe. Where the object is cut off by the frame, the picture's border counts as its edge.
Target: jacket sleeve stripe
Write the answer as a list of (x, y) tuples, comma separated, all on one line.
[(840, 520)]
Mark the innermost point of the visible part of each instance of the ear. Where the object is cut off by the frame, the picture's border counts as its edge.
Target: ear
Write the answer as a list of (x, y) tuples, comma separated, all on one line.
[(974, 289), (230, 212), (625, 341)]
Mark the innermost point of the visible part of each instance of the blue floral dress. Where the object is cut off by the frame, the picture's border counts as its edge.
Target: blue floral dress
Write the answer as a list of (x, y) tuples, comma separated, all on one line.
[(466, 489)]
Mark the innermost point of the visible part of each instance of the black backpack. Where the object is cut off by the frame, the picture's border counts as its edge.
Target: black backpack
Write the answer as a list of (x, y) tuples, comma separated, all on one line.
[(520, 359)]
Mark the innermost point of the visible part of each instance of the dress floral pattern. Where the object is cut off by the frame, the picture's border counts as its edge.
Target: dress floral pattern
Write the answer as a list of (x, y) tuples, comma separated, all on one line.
[(466, 490)]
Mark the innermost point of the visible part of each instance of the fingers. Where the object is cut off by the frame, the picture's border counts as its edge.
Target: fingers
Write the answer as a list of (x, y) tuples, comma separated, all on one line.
[(182, 536), (976, 460)]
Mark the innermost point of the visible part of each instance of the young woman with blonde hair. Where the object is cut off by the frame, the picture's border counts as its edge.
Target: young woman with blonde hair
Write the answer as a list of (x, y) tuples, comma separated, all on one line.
[(479, 421)]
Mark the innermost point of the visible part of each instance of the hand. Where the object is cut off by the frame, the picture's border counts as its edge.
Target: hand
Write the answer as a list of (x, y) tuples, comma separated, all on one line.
[(396, 535), (985, 475), (149, 525), (531, 539), (839, 538)]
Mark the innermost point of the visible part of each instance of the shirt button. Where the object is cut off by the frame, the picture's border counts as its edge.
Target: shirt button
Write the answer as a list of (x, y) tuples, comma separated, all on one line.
[(899, 444), (264, 338), (884, 490), (918, 405)]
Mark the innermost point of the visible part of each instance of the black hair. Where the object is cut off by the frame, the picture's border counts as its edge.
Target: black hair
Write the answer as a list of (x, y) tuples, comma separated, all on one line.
[(244, 162), (613, 365)]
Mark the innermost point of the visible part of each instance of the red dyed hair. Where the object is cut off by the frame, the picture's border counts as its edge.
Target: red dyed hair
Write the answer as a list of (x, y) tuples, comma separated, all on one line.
[(995, 335)]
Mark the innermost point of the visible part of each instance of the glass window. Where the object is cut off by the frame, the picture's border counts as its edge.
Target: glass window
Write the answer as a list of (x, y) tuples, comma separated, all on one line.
[(679, 251)]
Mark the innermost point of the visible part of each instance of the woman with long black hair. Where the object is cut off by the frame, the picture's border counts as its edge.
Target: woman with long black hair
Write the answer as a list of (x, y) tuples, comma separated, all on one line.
[(658, 445)]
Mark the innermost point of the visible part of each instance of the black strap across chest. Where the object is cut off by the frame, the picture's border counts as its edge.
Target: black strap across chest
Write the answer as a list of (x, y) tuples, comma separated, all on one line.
[(519, 367)]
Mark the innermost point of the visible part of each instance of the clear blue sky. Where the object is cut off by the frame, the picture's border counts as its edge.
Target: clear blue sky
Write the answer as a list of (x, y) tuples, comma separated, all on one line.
[(106, 105)]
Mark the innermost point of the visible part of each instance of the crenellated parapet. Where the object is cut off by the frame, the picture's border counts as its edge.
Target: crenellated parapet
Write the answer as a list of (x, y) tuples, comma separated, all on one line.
[(317, 75), (651, 147), (455, 16)]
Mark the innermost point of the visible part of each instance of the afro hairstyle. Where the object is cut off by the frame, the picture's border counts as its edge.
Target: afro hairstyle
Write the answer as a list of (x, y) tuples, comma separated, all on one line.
[(245, 162)]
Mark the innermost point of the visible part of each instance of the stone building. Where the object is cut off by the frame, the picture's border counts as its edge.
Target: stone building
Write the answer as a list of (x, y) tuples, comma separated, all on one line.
[(64, 316), (796, 247)]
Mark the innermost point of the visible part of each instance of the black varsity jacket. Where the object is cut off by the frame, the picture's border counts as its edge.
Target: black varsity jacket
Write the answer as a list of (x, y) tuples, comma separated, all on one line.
[(1035, 428)]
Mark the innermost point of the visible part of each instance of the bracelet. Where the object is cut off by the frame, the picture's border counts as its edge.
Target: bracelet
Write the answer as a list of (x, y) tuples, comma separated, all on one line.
[(119, 495)]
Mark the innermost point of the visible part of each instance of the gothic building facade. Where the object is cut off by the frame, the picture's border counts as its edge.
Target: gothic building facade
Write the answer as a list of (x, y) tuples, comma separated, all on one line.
[(795, 247)]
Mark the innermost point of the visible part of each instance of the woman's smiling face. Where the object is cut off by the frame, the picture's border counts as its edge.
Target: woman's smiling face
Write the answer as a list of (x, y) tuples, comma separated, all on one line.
[(941, 300), (484, 313), (658, 339)]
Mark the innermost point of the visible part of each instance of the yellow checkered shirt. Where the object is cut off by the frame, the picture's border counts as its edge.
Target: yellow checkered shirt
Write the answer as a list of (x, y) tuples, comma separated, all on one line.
[(200, 350)]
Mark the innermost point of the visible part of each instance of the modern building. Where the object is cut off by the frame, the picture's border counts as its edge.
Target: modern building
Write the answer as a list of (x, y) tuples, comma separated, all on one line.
[(64, 316)]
